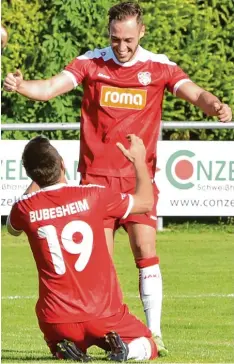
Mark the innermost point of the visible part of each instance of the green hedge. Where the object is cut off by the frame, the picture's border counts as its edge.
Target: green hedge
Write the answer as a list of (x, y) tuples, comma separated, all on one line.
[(45, 36)]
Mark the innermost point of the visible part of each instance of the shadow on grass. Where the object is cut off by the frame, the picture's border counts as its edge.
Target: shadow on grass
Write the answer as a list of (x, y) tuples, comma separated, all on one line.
[(16, 356), (23, 355)]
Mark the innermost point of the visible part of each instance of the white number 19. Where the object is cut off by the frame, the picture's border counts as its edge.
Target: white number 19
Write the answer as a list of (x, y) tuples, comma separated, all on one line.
[(84, 248)]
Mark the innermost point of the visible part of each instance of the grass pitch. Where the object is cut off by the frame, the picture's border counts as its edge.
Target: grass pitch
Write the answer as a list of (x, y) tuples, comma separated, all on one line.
[(198, 313)]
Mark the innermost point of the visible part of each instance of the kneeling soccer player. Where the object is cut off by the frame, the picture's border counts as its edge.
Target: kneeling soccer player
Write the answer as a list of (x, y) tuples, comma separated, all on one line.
[(80, 301)]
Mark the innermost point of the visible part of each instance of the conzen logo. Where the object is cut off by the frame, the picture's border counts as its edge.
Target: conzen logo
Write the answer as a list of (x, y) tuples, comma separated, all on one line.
[(179, 169), (124, 98), (184, 170)]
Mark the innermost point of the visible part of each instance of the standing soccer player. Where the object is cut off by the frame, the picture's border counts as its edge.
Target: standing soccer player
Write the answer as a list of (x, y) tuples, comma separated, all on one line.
[(123, 93)]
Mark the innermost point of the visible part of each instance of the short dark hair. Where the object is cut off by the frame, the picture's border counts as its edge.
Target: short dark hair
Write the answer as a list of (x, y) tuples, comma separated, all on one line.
[(125, 9), (42, 161)]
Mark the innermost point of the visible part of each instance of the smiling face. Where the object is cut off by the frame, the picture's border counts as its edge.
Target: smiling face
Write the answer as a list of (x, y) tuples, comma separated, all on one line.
[(124, 37)]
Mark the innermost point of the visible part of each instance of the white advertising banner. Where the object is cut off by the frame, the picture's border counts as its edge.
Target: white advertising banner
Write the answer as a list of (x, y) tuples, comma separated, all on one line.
[(13, 176), (194, 178)]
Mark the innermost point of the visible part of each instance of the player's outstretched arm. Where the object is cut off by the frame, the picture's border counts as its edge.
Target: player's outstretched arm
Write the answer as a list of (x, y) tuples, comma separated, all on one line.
[(143, 197), (40, 90), (206, 101)]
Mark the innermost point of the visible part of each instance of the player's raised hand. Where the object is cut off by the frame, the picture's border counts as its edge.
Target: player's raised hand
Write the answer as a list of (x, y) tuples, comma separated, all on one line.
[(223, 112), (13, 81), (4, 37), (136, 153)]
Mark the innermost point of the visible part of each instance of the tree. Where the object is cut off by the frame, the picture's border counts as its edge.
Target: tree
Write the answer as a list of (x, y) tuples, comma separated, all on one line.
[(45, 36)]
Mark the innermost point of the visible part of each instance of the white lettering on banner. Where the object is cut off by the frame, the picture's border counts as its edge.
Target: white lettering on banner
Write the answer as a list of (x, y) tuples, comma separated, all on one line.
[(59, 211), (191, 181)]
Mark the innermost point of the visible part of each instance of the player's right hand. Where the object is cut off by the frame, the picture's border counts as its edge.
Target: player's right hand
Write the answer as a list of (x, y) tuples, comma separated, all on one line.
[(136, 153), (13, 81)]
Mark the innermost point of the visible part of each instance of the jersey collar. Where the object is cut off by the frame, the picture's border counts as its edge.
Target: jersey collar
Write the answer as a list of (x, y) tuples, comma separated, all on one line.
[(130, 63), (57, 186)]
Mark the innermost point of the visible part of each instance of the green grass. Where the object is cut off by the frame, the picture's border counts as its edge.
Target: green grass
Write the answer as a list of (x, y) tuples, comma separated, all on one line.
[(198, 313)]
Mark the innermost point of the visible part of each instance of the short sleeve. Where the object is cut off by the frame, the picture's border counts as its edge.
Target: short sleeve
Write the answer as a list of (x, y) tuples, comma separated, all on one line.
[(14, 221), (176, 77), (77, 69), (117, 205)]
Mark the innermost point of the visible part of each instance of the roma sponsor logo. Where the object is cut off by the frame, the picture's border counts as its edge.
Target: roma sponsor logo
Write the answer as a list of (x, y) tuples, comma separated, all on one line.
[(124, 98)]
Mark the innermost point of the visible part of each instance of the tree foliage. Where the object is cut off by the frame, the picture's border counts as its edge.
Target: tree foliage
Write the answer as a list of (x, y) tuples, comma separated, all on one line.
[(44, 36)]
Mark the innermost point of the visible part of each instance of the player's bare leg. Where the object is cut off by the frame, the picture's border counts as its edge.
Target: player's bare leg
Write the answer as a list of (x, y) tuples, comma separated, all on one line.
[(109, 233), (142, 240)]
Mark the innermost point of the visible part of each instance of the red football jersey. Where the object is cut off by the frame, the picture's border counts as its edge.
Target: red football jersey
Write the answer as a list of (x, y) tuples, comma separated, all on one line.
[(64, 225), (120, 99)]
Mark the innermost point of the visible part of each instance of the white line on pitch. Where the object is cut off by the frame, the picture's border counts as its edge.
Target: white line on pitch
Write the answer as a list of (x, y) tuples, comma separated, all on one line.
[(203, 295), (231, 295), (18, 297)]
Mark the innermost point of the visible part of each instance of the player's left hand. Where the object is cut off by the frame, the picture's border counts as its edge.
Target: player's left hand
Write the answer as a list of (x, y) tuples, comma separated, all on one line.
[(4, 36), (223, 112), (137, 152)]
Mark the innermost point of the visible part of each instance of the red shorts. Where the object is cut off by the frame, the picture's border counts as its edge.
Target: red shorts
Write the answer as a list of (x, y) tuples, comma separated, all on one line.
[(124, 185), (86, 334)]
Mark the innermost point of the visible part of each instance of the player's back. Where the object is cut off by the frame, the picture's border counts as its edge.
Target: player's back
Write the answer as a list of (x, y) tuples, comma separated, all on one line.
[(77, 279)]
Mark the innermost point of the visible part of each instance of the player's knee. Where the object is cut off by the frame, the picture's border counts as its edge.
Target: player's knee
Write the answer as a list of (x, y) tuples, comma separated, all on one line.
[(144, 251)]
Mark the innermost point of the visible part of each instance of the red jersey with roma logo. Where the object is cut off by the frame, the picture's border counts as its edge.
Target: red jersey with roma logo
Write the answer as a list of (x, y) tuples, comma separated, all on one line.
[(120, 99)]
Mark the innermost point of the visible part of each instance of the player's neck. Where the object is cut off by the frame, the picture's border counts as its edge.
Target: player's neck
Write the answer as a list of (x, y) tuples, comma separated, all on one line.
[(62, 178), (132, 60)]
